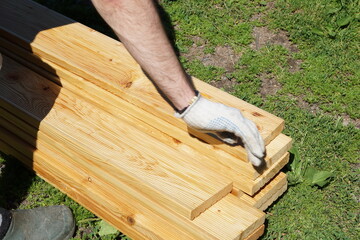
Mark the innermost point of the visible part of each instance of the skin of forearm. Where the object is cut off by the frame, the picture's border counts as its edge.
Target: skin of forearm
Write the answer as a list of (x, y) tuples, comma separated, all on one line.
[(138, 26)]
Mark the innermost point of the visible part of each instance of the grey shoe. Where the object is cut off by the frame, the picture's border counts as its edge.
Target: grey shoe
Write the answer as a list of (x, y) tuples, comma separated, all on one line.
[(44, 223)]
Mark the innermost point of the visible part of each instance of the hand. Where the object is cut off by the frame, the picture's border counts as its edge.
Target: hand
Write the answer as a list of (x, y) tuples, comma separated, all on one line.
[(210, 117)]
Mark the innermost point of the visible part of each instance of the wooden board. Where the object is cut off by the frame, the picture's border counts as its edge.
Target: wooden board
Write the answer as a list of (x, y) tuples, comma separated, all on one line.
[(225, 154), (236, 219), (267, 194), (219, 164), (261, 200), (162, 130), (123, 77), (178, 181), (250, 187), (256, 234)]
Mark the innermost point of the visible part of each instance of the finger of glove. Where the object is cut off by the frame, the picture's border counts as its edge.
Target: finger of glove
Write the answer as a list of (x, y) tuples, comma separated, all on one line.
[(254, 159), (227, 137), (251, 138)]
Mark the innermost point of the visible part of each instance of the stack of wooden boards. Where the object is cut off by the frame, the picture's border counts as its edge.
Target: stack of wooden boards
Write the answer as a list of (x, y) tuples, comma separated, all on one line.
[(77, 109)]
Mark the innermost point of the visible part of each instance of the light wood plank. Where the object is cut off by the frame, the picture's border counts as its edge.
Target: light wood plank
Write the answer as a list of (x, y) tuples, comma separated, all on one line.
[(251, 187), (220, 162), (176, 137), (256, 234), (246, 185), (122, 210), (236, 219), (176, 180), (267, 175), (267, 194), (123, 77)]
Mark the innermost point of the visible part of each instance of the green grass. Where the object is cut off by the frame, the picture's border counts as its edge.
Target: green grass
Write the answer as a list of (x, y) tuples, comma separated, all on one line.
[(327, 36)]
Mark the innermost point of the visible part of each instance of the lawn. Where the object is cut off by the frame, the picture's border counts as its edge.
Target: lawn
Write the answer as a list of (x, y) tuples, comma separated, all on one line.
[(296, 59)]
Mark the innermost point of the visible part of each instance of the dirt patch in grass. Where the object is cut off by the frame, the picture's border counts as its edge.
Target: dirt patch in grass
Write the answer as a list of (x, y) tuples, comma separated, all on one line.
[(264, 36), (315, 109), (223, 56), (225, 83), (348, 120), (294, 65), (269, 85)]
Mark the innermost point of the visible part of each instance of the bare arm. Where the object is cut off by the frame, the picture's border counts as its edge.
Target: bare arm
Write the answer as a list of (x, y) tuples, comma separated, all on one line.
[(138, 25)]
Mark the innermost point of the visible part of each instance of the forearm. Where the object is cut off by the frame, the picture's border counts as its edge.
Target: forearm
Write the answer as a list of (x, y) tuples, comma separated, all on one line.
[(137, 24)]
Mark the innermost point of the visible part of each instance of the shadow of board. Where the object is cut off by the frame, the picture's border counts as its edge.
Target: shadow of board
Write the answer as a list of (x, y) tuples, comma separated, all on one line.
[(26, 97)]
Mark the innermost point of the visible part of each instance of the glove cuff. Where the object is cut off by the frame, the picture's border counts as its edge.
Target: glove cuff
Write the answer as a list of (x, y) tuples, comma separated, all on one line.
[(193, 101)]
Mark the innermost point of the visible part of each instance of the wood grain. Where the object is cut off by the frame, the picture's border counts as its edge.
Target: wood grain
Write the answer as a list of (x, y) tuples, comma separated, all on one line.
[(261, 200), (160, 171), (256, 234), (109, 140), (207, 155), (123, 77), (267, 194), (226, 155), (121, 209), (267, 175)]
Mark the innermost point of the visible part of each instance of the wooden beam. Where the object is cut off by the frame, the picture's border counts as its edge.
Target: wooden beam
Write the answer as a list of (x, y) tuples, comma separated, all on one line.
[(228, 155), (261, 200), (123, 77), (267, 194), (162, 130), (256, 234), (177, 180), (250, 187), (219, 161), (236, 219), (116, 106)]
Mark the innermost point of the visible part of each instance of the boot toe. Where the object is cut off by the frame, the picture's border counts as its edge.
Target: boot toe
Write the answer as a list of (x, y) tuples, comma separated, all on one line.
[(44, 223)]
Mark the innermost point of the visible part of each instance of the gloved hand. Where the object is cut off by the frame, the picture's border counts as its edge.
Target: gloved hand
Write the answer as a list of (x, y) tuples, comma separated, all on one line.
[(211, 117)]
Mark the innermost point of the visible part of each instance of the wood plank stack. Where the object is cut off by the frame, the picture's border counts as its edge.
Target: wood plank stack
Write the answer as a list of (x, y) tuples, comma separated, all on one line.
[(77, 109)]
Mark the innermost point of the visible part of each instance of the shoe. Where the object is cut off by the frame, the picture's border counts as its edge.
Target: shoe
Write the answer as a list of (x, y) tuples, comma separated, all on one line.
[(44, 223)]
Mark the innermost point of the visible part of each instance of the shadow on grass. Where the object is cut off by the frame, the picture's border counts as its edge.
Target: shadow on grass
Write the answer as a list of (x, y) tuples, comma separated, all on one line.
[(15, 180)]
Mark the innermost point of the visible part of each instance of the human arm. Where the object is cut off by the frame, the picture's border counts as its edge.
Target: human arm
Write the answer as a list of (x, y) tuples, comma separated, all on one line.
[(138, 25)]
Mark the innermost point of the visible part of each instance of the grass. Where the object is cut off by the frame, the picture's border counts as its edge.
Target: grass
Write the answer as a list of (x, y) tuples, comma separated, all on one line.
[(327, 36)]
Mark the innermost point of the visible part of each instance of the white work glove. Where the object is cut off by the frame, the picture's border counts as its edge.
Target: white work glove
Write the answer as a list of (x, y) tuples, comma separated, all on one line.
[(211, 117)]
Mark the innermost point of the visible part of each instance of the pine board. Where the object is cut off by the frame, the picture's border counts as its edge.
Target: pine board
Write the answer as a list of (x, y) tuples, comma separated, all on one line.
[(261, 200), (157, 169), (15, 70), (162, 130), (236, 219), (267, 194), (123, 77), (256, 234)]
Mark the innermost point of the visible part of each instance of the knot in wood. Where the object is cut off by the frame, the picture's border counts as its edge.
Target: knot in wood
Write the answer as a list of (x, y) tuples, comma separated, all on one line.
[(130, 220)]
